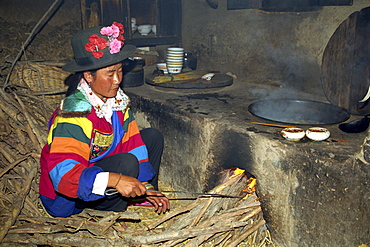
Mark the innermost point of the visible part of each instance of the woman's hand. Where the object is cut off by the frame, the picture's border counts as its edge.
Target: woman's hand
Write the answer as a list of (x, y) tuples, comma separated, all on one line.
[(127, 186), (160, 201)]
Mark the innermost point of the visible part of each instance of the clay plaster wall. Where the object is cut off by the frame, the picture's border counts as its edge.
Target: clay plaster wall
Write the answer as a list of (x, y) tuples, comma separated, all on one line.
[(259, 46), (254, 45)]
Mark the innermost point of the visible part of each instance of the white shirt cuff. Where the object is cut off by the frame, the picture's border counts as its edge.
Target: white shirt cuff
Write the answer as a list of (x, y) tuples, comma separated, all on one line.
[(100, 183)]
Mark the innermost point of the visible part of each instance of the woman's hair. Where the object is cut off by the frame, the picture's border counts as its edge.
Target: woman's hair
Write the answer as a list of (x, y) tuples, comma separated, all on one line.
[(72, 81)]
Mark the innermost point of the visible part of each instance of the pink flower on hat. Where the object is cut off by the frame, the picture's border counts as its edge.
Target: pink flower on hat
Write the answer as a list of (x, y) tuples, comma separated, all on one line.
[(106, 31), (115, 46), (115, 31), (115, 40), (118, 33)]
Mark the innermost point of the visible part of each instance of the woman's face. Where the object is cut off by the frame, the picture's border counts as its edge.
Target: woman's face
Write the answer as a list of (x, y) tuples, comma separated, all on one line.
[(105, 82)]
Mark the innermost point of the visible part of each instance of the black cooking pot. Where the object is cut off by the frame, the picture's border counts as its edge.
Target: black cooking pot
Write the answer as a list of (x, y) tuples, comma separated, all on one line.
[(133, 72), (306, 112), (355, 126)]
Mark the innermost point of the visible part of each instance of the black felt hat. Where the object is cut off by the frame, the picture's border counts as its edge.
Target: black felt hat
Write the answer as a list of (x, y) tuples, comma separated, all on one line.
[(98, 47)]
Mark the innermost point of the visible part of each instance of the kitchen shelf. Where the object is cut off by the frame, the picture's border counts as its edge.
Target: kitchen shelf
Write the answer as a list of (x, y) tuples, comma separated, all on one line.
[(166, 15)]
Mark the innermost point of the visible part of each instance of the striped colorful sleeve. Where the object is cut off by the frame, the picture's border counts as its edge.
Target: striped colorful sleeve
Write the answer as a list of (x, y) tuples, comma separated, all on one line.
[(69, 140)]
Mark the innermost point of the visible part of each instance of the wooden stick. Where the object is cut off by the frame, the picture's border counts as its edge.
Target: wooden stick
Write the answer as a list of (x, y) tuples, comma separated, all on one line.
[(247, 233), (199, 216), (185, 233), (32, 131), (172, 214), (274, 125), (17, 205), (13, 164)]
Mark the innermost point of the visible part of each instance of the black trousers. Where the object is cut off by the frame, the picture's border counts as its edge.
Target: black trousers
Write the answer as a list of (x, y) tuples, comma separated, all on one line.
[(127, 164)]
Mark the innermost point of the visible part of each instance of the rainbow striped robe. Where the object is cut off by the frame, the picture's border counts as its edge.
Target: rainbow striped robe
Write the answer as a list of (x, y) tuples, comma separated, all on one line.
[(67, 173)]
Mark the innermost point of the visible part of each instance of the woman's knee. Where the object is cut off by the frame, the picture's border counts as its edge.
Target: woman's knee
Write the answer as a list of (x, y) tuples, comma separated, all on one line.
[(124, 163), (128, 157), (156, 134), (128, 161), (150, 135)]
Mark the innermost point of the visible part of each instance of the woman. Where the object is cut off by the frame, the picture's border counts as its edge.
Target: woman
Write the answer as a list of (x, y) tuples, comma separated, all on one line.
[(94, 142)]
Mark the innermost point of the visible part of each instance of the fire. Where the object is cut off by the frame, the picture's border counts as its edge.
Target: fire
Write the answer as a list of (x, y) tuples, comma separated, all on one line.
[(237, 172), (251, 182), (250, 187)]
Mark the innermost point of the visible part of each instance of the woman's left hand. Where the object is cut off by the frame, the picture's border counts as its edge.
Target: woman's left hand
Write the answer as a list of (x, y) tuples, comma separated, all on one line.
[(160, 201)]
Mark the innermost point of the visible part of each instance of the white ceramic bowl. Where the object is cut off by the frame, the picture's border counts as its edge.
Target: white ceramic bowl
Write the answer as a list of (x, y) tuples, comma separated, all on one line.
[(162, 66), (292, 134), (144, 29), (174, 65), (174, 70), (176, 60), (175, 49), (154, 29), (175, 52), (175, 55), (317, 133)]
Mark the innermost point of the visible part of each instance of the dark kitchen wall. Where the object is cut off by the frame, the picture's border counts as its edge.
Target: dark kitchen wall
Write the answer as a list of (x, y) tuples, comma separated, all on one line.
[(31, 11), (18, 18), (278, 48), (259, 46)]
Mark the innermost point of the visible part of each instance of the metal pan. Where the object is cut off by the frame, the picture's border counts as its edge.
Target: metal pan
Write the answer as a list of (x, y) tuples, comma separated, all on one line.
[(306, 112)]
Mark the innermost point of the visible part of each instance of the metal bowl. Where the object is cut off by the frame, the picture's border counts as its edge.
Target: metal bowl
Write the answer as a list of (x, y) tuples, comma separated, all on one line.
[(306, 112)]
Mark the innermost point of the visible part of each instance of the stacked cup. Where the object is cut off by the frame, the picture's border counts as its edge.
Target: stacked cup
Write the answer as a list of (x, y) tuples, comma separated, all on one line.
[(175, 59)]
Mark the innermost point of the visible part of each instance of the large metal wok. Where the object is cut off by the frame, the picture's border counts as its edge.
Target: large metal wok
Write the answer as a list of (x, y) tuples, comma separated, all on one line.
[(306, 112)]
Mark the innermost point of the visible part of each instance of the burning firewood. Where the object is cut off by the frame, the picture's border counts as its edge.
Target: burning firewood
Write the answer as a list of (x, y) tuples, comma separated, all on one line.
[(216, 220)]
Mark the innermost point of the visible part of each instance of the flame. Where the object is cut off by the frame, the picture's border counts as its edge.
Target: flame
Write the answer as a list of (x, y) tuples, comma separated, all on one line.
[(251, 183), (250, 187), (237, 172)]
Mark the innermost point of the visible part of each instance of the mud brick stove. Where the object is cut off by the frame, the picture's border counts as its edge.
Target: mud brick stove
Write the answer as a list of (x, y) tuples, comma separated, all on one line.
[(311, 192)]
